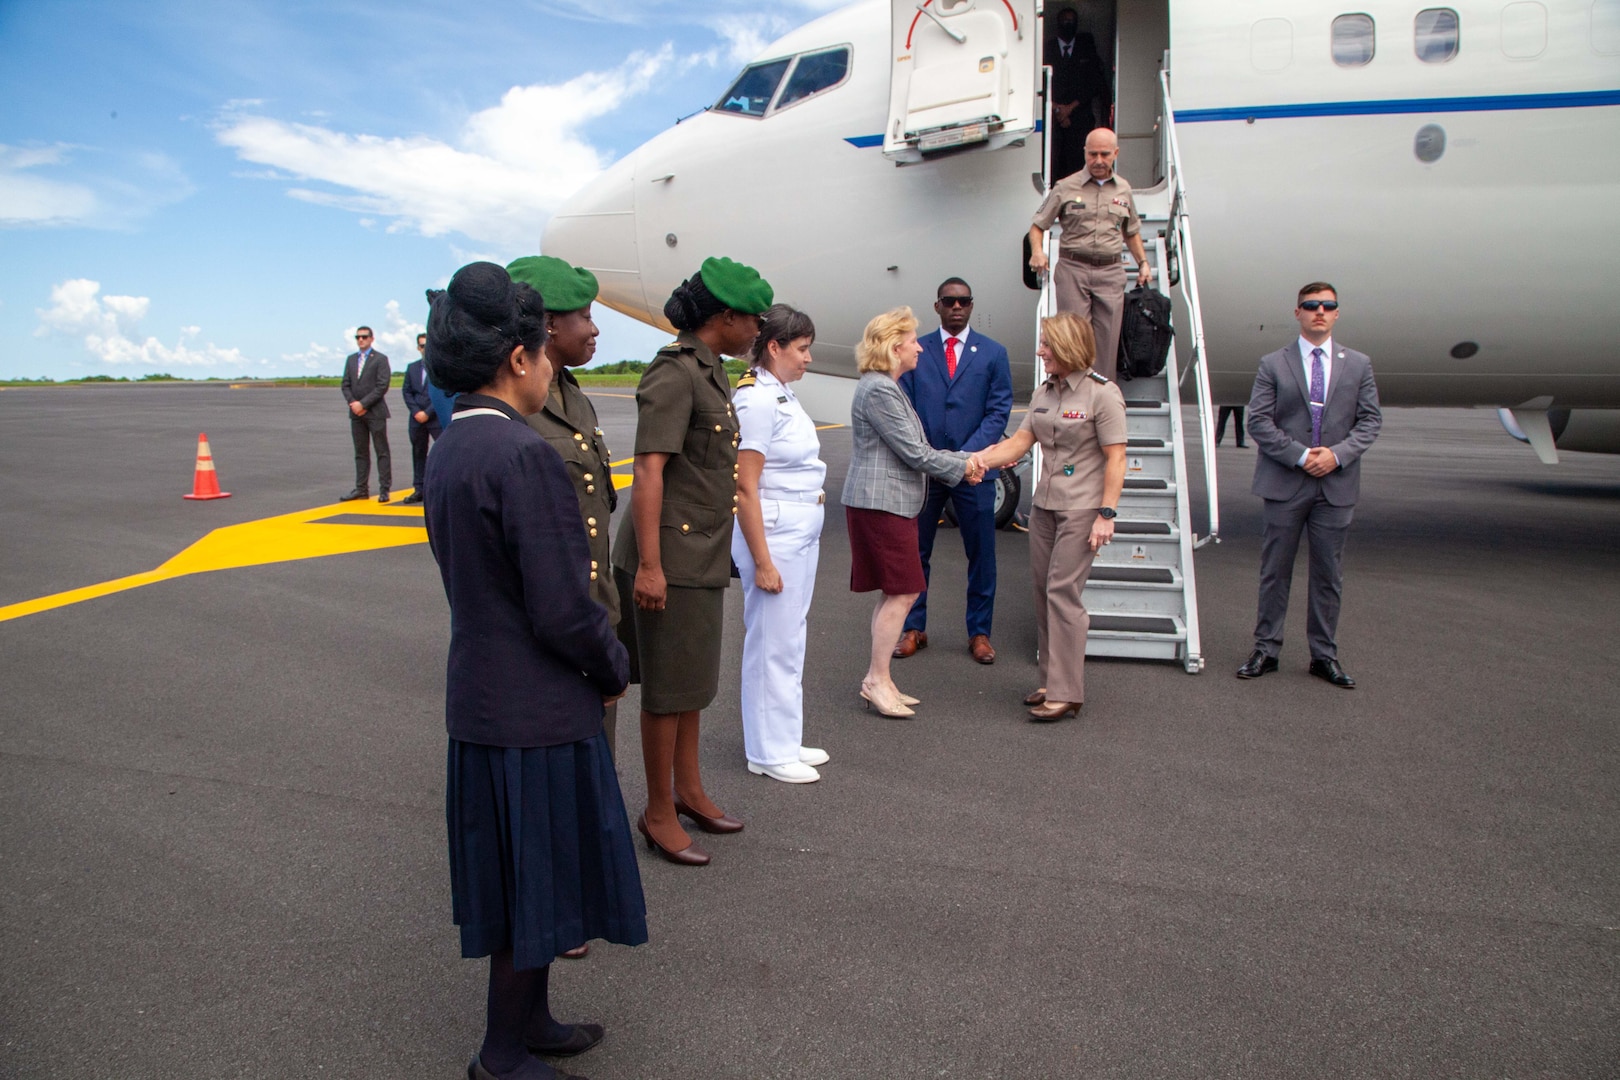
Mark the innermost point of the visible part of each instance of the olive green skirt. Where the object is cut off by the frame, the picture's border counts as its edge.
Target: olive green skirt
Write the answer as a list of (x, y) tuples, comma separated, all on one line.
[(674, 653)]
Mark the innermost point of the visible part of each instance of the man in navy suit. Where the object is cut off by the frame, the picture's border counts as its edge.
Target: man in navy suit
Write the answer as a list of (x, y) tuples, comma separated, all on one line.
[(424, 425), (962, 390), (1313, 413)]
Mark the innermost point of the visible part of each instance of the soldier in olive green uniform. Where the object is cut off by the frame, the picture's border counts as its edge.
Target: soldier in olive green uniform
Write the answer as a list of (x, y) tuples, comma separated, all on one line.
[(672, 558), (1078, 417), (1098, 215), (569, 419)]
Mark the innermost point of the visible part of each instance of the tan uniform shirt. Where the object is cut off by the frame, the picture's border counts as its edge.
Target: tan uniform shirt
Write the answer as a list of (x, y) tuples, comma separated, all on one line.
[(683, 408), (1073, 418), (568, 423), (1096, 218)]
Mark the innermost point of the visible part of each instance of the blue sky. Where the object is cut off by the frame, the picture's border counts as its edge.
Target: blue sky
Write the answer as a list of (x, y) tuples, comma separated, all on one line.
[(230, 188)]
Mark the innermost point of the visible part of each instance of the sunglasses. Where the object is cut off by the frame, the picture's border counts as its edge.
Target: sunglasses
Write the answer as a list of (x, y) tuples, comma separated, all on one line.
[(1325, 305), (362, 337), (956, 301)]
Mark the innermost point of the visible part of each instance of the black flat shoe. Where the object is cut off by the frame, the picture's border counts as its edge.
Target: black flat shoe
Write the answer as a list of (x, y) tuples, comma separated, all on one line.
[(1333, 673), (581, 1038), (355, 493), (1256, 665), (722, 824)]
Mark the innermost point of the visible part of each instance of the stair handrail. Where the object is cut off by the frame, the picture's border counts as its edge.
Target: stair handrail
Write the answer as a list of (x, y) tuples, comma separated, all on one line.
[(1181, 231)]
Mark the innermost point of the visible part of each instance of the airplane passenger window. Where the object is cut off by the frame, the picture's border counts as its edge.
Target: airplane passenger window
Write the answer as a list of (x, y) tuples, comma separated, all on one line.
[(1435, 35), (751, 94), (1606, 27), (814, 73), (1524, 30), (1353, 43)]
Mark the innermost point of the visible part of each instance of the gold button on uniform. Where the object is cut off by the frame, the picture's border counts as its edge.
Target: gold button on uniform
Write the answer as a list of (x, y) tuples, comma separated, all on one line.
[(685, 527), (590, 489), (593, 575), (593, 533), (717, 427), (590, 521), (593, 564), (579, 437), (588, 476)]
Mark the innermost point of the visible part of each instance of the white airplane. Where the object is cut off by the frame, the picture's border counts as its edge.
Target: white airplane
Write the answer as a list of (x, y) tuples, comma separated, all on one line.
[(1450, 168)]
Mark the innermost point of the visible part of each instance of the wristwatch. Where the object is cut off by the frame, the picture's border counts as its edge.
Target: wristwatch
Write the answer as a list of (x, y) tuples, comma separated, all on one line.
[(1108, 513)]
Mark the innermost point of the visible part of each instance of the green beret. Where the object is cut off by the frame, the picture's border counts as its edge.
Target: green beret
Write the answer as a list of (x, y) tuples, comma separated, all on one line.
[(737, 286), (562, 287)]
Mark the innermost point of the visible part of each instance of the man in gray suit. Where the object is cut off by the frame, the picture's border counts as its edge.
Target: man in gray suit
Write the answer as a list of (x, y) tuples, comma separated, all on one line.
[(365, 388), (1312, 414)]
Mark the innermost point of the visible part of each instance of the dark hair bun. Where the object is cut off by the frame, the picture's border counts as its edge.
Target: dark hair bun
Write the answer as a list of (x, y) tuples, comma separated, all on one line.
[(474, 324), (691, 304)]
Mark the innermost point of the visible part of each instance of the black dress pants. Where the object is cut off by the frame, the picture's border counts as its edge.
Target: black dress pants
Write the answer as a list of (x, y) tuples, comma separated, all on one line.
[(422, 436), (369, 431)]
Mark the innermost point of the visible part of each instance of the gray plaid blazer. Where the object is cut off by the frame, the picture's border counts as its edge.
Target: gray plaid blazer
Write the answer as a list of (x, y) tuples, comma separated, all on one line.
[(891, 453)]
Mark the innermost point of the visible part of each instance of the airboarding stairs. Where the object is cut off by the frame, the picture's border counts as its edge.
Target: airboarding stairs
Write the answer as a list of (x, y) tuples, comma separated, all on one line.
[(1143, 592)]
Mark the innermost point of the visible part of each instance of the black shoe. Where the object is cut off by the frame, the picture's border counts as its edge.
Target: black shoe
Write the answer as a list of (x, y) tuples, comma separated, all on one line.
[(1333, 673), (581, 1037), (1242, 446), (356, 493), (1258, 664), (382, 496), (413, 499)]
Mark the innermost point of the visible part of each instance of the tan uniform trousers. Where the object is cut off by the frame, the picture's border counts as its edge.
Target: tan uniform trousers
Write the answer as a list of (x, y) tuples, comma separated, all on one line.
[(1060, 558), (1096, 293)]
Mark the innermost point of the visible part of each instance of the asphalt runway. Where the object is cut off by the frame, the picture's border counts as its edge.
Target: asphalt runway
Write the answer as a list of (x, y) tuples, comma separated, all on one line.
[(223, 835)]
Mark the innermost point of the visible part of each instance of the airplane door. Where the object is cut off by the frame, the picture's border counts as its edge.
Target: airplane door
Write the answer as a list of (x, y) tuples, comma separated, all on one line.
[(964, 75)]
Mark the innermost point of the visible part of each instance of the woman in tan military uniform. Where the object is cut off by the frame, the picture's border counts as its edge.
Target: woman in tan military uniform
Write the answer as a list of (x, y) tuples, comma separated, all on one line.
[(672, 557), (1078, 417)]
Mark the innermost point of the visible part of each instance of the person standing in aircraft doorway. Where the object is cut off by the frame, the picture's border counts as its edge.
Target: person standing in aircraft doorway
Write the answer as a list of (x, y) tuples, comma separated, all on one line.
[(1099, 220), (962, 391), (1079, 87)]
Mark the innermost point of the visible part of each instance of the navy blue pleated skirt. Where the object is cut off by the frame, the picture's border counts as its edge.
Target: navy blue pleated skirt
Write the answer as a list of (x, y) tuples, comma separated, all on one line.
[(541, 859)]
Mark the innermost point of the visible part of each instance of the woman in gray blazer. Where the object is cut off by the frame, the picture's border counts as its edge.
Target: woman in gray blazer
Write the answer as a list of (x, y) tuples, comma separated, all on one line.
[(883, 493)]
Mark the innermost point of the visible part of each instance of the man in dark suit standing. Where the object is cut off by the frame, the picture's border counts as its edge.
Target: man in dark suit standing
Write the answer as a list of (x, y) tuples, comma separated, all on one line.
[(365, 388), (424, 424), (1312, 414), (1079, 88), (962, 390)]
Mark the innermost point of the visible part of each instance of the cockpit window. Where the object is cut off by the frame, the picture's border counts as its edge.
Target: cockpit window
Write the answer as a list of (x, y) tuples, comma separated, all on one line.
[(751, 94), (814, 73)]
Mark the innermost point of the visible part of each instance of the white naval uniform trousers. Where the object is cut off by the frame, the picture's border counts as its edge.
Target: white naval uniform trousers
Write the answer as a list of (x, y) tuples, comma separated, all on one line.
[(773, 423)]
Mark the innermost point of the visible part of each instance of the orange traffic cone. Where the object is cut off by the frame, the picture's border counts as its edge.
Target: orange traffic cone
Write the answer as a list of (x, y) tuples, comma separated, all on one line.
[(205, 485)]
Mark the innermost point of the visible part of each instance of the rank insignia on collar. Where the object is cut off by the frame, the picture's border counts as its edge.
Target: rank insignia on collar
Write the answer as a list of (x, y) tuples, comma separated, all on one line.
[(782, 400)]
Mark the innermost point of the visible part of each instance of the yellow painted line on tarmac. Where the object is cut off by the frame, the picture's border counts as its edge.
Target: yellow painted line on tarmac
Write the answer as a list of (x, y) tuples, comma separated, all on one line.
[(285, 538)]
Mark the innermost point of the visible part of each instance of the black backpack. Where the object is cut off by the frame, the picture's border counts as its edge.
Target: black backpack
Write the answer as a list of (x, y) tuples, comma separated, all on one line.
[(1145, 333)]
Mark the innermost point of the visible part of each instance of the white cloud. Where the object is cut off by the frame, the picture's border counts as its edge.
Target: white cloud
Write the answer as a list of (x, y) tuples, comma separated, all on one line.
[(110, 329), (395, 337), (510, 167), (34, 194)]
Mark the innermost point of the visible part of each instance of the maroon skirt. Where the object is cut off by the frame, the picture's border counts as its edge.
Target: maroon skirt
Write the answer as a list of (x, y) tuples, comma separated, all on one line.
[(883, 552)]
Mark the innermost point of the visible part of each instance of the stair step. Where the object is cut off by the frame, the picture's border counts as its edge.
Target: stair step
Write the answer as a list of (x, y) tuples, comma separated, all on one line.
[(1146, 405), (1151, 626), (1148, 483), (1144, 444), (1134, 575), (1144, 528)]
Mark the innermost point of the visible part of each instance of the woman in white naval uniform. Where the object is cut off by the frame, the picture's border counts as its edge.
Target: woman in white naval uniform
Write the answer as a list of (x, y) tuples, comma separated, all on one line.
[(780, 506)]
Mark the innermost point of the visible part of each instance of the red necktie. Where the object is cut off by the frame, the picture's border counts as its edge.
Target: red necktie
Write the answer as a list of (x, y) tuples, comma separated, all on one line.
[(950, 357)]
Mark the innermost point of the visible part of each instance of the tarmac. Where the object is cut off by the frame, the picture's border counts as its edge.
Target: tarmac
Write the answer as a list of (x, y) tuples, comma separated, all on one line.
[(222, 820)]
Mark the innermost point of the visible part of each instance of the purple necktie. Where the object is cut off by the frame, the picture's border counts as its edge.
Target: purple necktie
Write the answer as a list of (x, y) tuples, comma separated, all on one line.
[(1318, 396)]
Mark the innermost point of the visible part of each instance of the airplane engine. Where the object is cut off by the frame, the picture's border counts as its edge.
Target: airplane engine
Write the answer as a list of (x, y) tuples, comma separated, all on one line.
[(1594, 431)]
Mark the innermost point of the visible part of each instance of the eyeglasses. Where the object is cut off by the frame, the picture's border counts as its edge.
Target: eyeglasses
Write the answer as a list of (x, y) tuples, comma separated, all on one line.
[(1325, 305), (956, 301), (362, 337)]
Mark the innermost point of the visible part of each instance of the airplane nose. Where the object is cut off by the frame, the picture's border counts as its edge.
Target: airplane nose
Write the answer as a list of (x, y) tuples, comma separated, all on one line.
[(596, 229)]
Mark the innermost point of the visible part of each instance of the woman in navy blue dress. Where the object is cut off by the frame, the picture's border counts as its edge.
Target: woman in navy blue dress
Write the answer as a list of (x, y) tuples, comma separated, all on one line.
[(541, 859)]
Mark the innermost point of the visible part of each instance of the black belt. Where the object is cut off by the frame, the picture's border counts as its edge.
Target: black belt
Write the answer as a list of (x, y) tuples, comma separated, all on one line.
[(1089, 260)]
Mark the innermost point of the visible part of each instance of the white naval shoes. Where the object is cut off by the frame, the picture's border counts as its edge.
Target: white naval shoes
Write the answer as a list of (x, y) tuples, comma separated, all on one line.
[(810, 755), (794, 772)]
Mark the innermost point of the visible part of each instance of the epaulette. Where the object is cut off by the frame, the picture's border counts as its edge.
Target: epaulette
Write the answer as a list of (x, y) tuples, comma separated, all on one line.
[(748, 378), (1099, 378), (672, 345)]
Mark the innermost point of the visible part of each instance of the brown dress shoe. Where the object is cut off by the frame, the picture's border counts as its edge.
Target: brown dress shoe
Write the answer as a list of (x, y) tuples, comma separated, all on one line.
[(909, 643), (979, 645)]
